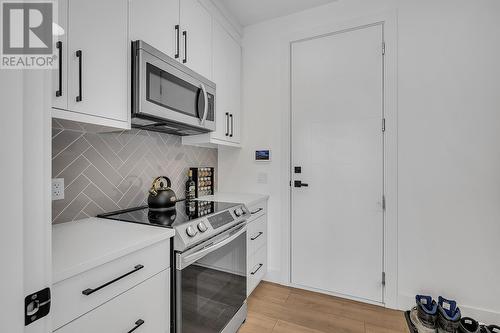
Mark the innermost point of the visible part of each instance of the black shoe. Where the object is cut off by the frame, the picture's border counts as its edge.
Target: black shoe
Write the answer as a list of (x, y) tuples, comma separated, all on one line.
[(494, 328), (468, 325), (448, 316), (484, 329), (427, 310)]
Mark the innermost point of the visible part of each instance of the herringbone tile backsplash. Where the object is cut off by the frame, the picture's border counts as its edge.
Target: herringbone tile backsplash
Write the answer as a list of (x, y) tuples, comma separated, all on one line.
[(112, 171)]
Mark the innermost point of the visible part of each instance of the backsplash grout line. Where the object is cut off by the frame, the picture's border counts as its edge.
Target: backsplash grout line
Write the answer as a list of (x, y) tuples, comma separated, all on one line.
[(69, 165)]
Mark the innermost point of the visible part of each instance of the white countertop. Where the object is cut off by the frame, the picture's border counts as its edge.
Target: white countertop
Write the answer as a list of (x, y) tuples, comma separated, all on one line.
[(82, 245), (248, 199)]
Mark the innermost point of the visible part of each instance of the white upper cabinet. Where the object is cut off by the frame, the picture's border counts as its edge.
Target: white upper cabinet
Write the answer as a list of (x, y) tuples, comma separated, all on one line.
[(97, 56), (227, 77), (196, 37), (157, 23)]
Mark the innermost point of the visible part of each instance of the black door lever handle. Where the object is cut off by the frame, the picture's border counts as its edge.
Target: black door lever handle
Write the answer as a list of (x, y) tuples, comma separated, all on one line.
[(299, 183)]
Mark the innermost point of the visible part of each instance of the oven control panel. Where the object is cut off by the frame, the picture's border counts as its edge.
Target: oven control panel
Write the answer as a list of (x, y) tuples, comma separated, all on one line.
[(196, 231)]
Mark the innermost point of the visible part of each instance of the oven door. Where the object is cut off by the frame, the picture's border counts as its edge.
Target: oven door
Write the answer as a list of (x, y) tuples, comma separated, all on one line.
[(165, 89), (211, 283)]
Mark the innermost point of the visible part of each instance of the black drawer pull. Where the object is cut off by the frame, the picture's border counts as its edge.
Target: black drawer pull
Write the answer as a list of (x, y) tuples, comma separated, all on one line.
[(254, 272), (257, 211), (90, 291), (138, 323), (258, 235)]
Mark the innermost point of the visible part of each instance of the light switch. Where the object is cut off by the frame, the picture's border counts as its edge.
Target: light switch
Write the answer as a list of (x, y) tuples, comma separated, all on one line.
[(262, 178)]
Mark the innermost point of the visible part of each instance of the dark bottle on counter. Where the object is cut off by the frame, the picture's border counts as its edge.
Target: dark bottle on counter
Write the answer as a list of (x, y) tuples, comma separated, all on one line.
[(190, 194), (190, 187)]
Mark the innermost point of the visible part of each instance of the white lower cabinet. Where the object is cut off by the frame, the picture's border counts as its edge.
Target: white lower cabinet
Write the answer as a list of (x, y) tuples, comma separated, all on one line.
[(257, 268), (70, 299), (142, 307), (117, 295), (256, 245)]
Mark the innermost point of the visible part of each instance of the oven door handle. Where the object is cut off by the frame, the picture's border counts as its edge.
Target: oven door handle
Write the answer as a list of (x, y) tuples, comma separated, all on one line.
[(205, 106), (191, 258)]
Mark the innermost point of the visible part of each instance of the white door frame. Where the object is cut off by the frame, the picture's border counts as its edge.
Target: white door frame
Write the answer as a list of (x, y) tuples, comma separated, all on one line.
[(389, 21), (26, 227)]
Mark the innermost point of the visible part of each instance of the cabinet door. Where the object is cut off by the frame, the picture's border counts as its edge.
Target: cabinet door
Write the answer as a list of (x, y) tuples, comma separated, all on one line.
[(196, 39), (59, 90), (227, 76), (155, 21), (234, 75), (99, 30), (221, 79), (147, 303)]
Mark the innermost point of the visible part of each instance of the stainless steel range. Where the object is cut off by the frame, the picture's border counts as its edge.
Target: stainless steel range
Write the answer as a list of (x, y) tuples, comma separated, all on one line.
[(209, 251)]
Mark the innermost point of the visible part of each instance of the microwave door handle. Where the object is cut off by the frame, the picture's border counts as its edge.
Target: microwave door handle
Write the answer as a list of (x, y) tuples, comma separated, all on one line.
[(189, 259), (205, 107)]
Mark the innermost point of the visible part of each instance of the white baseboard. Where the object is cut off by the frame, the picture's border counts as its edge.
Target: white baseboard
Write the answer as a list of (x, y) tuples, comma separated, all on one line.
[(406, 302), (275, 276)]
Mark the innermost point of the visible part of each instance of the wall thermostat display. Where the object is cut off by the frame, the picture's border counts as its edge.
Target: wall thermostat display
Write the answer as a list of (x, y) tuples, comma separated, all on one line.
[(262, 155)]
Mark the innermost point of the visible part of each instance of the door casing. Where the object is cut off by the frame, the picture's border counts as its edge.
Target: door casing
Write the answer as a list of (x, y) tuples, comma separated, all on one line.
[(389, 20)]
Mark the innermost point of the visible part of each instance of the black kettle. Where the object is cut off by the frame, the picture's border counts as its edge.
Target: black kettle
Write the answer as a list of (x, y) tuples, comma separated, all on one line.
[(161, 196)]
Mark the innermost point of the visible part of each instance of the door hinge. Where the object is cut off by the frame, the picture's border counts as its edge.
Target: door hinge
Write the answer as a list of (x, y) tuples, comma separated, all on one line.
[(383, 124), (383, 202), (383, 278), (36, 306), (383, 48)]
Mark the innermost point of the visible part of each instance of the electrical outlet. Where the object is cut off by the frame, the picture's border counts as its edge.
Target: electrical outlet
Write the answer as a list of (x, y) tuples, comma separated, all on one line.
[(57, 189)]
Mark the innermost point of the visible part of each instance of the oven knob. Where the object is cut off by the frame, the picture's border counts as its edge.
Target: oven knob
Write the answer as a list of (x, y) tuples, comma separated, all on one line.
[(238, 212), (202, 227), (191, 232)]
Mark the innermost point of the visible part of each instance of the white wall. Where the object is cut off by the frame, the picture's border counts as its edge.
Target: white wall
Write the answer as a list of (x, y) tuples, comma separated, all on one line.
[(449, 142)]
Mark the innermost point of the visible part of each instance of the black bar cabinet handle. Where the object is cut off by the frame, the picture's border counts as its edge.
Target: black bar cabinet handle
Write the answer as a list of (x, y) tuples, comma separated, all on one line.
[(59, 47), (90, 291), (185, 35), (258, 210), (178, 42), (255, 272), (138, 323), (232, 125), (227, 123), (258, 235), (79, 55)]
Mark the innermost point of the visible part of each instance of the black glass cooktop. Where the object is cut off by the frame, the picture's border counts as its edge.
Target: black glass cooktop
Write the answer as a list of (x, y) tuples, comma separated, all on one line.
[(182, 212)]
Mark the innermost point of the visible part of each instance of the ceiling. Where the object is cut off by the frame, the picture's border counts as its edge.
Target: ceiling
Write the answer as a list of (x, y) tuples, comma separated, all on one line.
[(249, 12)]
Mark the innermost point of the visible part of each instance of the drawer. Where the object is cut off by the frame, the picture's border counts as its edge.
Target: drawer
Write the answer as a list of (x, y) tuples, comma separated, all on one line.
[(145, 305), (257, 268), (257, 210), (256, 234), (115, 277)]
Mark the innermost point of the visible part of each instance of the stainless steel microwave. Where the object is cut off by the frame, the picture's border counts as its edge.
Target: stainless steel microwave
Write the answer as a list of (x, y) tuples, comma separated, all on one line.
[(167, 96)]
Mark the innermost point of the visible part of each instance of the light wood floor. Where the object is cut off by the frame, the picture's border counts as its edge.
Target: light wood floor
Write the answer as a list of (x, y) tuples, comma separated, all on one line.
[(278, 309)]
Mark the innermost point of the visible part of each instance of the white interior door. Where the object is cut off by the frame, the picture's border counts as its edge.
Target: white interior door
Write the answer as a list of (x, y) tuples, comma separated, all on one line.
[(337, 140)]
